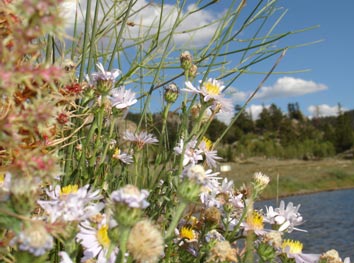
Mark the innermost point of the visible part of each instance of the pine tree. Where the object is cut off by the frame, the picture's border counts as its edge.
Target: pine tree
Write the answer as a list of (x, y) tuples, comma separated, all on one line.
[(344, 133)]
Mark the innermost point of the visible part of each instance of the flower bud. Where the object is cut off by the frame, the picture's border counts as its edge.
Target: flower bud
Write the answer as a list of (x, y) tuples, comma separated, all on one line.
[(104, 86), (68, 65), (192, 73), (171, 93), (195, 110), (260, 181), (189, 191), (23, 195), (128, 203), (266, 252), (186, 60), (212, 215)]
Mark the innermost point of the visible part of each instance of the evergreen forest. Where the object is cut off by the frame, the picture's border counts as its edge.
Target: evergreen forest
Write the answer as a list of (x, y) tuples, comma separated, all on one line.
[(274, 134)]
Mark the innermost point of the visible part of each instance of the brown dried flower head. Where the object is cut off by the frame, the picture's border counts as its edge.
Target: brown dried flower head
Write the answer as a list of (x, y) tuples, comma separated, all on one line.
[(145, 242), (221, 252)]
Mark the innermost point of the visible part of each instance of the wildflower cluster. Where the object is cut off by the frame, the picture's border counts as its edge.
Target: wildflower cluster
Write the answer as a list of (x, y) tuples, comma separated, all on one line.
[(79, 182)]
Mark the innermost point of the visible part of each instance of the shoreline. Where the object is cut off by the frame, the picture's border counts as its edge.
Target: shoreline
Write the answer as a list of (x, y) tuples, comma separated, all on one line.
[(307, 193), (294, 177)]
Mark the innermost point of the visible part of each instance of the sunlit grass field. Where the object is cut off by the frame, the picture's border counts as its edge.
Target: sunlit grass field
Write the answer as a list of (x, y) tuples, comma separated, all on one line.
[(293, 177)]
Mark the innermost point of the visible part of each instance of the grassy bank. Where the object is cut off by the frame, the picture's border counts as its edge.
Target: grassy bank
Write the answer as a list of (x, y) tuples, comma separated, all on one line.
[(292, 177)]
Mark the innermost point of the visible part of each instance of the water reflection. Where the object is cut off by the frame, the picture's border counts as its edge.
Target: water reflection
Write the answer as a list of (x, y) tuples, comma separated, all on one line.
[(329, 219)]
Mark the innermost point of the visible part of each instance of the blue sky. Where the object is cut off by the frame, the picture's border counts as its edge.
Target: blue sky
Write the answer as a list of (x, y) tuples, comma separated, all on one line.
[(328, 77), (330, 62)]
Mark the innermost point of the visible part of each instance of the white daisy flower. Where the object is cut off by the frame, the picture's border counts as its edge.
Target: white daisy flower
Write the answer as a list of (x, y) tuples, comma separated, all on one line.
[(131, 196), (104, 75), (123, 157), (211, 91), (287, 218), (95, 241), (293, 249), (140, 139), (197, 173), (121, 98), (254, 223), (191, 154), (211, 156), (237, 201), (221, 194), (71, 203), (226, 186), (185, 234), (209, 199)]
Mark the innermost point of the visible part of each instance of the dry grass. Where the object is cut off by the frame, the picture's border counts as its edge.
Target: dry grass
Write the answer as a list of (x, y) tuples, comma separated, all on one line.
[(296, 176)]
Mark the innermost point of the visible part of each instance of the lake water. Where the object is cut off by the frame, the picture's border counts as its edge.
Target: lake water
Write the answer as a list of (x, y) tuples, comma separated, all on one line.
[(329, 220)]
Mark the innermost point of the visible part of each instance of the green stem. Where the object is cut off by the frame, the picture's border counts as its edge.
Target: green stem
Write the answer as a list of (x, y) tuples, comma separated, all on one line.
[(86, 36), (164, 119), (48, 55), (196, 127), (250, 234), (99, 131), (86, 146), (119, 37), (68, 161), (93, 37), (123, 238), (111, 129), (137, 160), (230, 235), (179, 211), (163, 137)]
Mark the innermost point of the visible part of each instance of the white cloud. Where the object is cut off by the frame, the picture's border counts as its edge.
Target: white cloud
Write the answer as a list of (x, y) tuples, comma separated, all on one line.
[(236, 96), (283, 87), (255, 110), (205, 24), (225, 117), (323, 110), (144, 21), (289, 87)]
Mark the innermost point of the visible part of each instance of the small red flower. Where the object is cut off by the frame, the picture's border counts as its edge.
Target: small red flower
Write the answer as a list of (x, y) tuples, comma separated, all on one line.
[(73, 89), (62, 118)]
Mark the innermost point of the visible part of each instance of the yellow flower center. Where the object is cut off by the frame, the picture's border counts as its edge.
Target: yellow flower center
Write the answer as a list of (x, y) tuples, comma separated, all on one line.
[(187, 233), (116, 153), (294, 246), (212, 88), (208, 143), (102, 236), (69, 189), (2, 178), (255, 221)]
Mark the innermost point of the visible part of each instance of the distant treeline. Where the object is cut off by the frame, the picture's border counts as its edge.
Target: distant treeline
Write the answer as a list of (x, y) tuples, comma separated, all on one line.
[(273, 134)]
